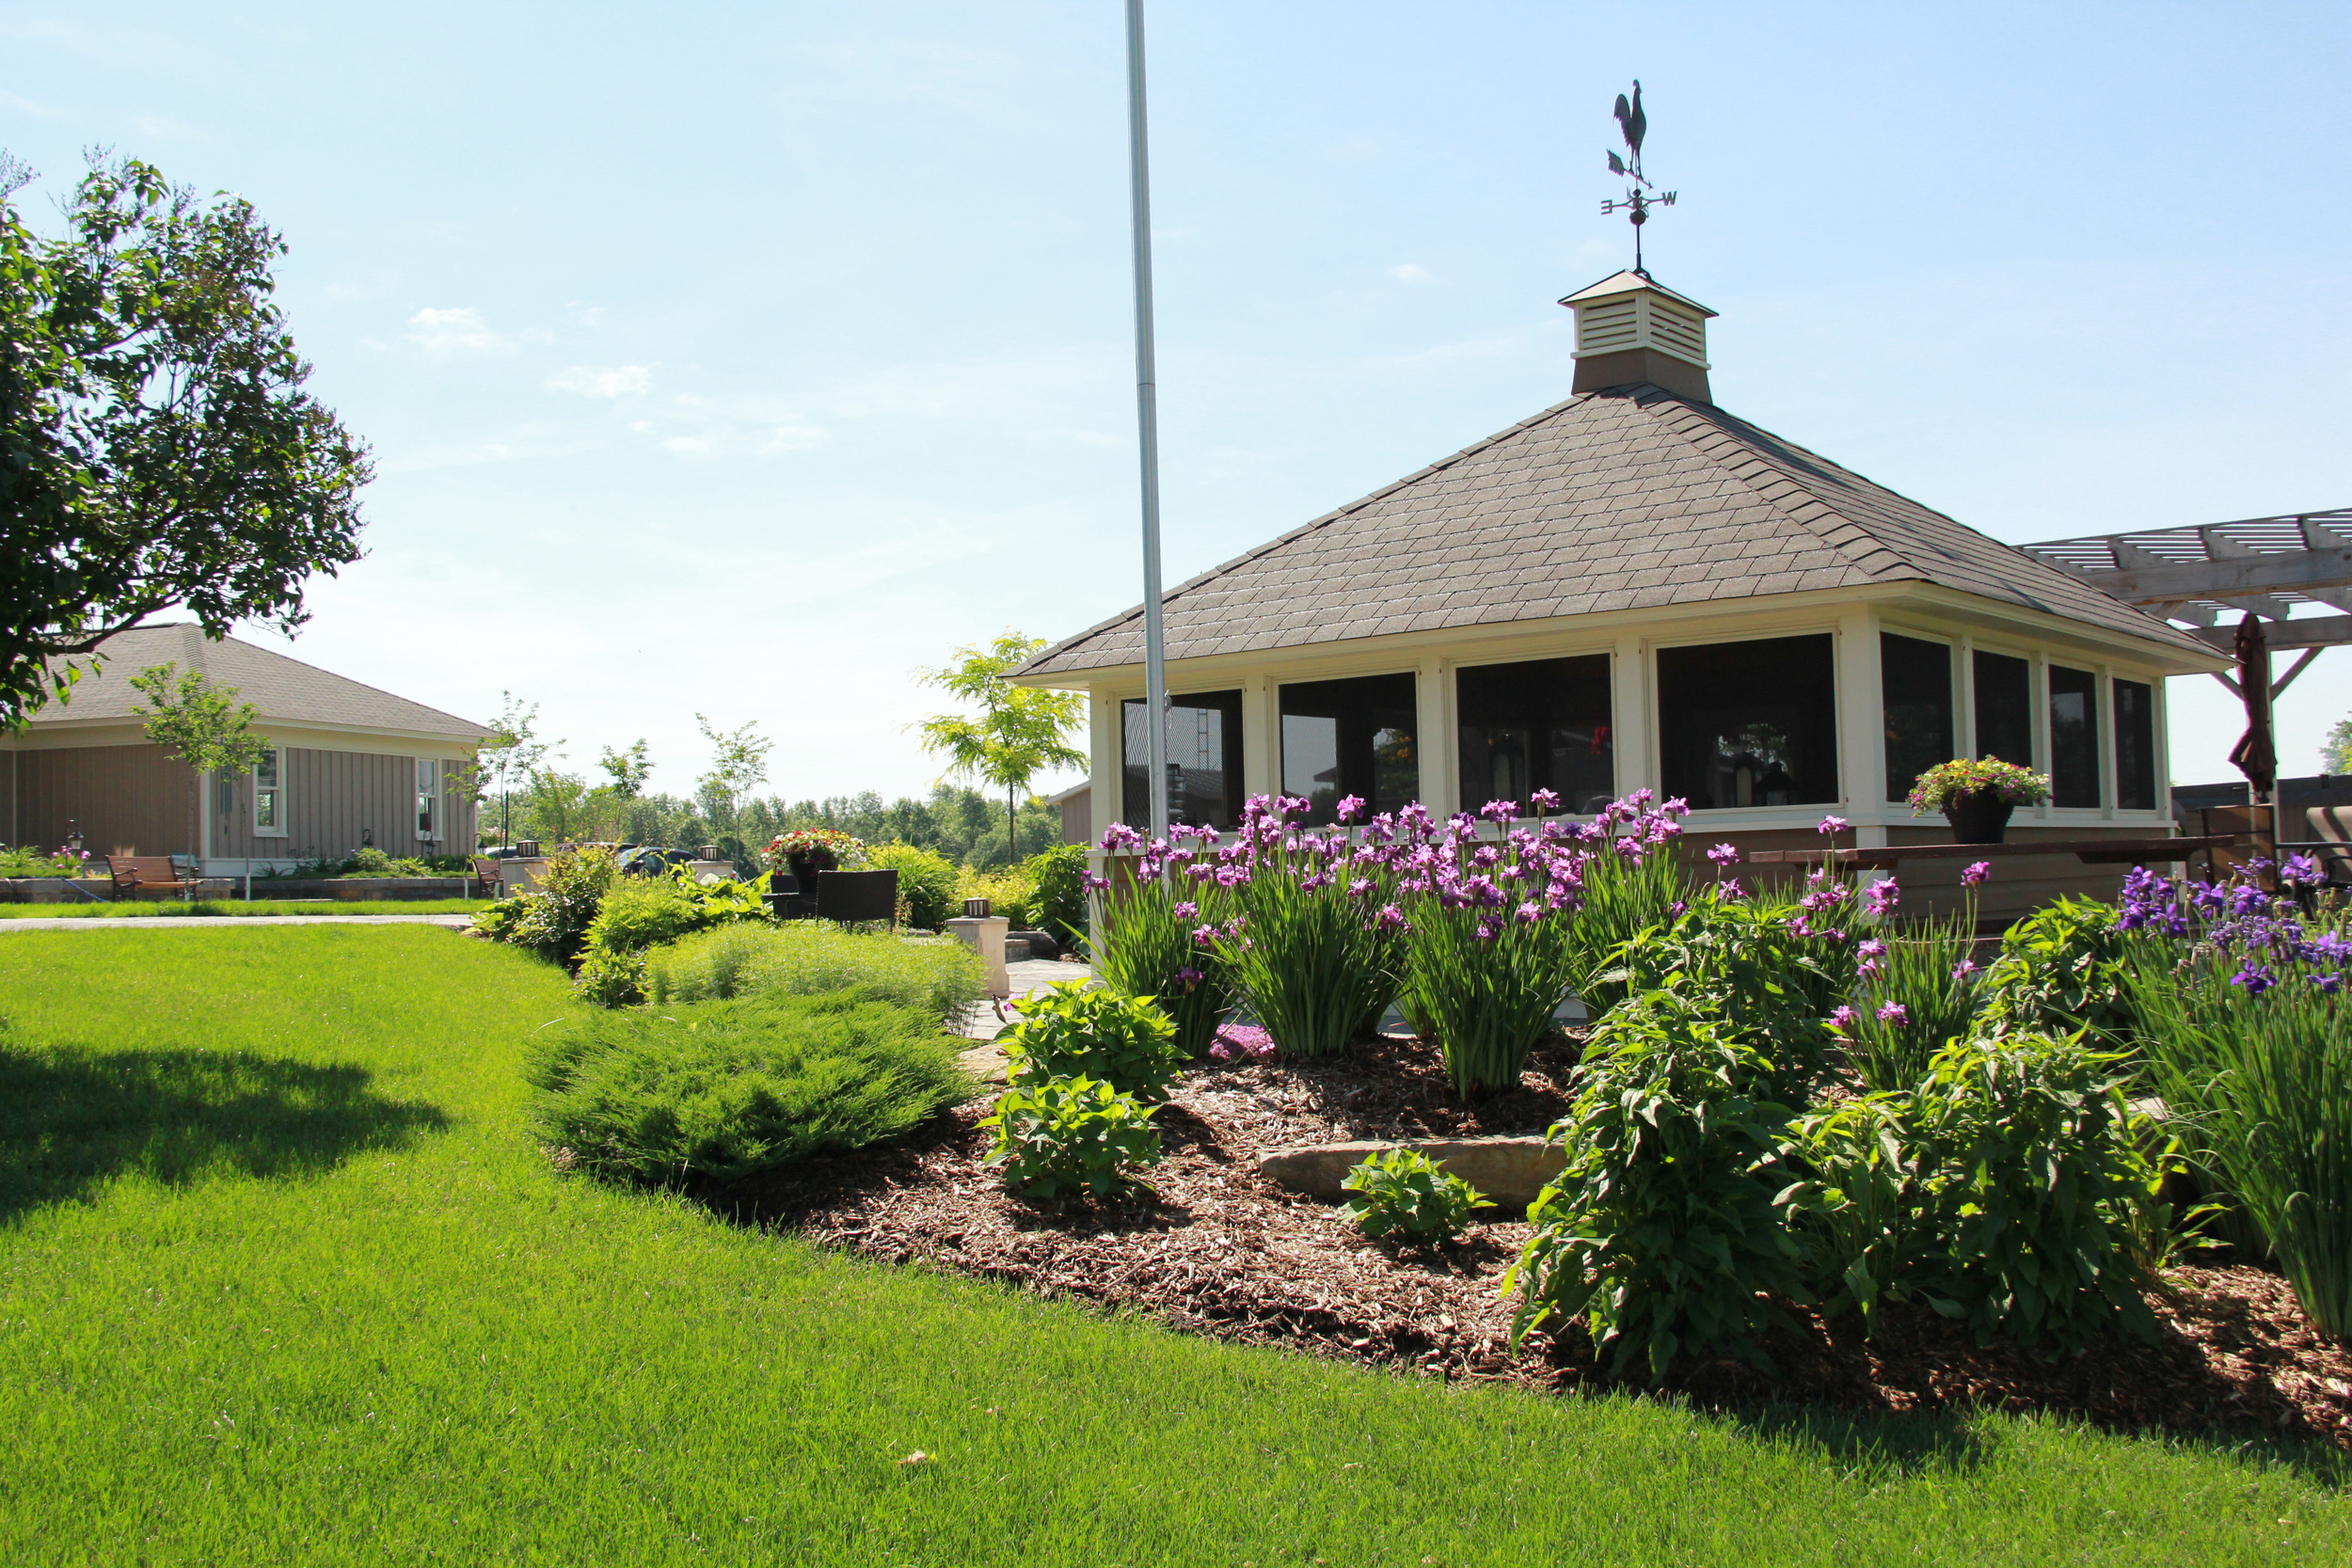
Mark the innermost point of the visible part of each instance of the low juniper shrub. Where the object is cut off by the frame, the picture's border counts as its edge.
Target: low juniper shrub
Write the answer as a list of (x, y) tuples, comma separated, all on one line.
[(1404, 1193), (1060, 1136), (724, 1090), (1072, 1031)]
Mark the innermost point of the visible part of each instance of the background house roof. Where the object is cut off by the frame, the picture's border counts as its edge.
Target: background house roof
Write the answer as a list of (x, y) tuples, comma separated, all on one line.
[(1623, 499), (282, 689)]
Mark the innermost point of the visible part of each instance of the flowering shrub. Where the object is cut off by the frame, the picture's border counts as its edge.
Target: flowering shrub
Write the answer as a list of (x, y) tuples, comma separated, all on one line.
[(2239, 997), (801, 840), (1918, 991), (1146, 939), (1071, 1030), (1941, 785), (25, 861), (1403, 1192), (1070, 1134)]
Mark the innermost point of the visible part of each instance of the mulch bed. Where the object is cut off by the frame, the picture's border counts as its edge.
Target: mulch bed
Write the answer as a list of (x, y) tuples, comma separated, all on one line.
[(1220, 1250)]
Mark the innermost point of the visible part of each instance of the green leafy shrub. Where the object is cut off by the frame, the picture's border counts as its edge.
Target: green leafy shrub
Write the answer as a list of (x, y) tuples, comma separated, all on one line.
[(610, 977), (2061, 969), (367, 861), (1403, 1192), (638, 913), (1758, 966), (1058, 903), (1624, 895), (2029, 1166), (1070, 1135), (1073, 1030), (1857, 1213), (726, 1089), (1669, 1220), (1012, 893), (937, 976), (553, 921), (927, 883)]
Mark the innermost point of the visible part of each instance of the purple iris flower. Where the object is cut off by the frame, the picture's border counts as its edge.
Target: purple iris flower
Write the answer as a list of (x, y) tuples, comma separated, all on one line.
[(1975, 874), (1833, 826), (1185, 910), (1842, 1019), (1881, 896), (1545, 800), (2254, 977), (1725, 854), (2301, 871), (1896, 1014)]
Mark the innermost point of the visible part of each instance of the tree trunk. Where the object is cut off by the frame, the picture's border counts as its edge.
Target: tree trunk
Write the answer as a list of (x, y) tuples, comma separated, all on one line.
[(1012, 840)]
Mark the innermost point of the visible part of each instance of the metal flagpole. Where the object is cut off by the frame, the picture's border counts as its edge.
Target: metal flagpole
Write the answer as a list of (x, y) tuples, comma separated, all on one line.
[(1148, 429)]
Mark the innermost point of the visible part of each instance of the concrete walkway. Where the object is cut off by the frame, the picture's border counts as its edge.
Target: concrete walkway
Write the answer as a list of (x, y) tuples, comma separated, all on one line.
[(981, 1021), (183, 922)]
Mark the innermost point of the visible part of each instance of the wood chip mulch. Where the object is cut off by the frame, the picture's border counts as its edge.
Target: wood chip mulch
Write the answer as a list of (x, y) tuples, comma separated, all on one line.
[(1217, 1249)]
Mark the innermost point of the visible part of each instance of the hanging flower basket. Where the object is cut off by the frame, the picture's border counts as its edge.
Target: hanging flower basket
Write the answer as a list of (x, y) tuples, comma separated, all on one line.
[(1977, 796)]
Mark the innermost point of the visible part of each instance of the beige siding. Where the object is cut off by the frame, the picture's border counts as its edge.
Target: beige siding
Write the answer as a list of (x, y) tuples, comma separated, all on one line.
[(132, 799), (138, 799)]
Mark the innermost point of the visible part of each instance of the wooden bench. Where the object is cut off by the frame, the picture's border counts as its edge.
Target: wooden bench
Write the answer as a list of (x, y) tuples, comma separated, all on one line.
[(137, 874)]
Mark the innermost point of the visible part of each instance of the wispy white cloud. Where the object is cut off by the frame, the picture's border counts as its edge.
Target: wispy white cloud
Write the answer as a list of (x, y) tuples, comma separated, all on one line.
[(1411, 272), (455, 331), (590, 382)]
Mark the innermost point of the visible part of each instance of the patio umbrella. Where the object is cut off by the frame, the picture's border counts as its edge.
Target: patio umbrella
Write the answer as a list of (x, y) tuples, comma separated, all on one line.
[(2254, 755)]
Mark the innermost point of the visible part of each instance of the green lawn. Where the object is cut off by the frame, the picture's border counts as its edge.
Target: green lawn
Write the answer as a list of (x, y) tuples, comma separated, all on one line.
[(173, 909), (282, 1282)]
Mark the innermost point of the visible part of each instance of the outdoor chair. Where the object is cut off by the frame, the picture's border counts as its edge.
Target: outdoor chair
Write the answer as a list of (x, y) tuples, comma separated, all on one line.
[(853, 897), (137, 874), (486, 871)]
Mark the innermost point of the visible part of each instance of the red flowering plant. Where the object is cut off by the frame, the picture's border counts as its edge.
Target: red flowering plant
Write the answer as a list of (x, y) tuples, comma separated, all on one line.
[(807, 841), (1939, 785)]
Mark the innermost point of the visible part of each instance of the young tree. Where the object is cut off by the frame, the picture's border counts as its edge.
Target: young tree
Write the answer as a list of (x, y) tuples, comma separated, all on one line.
[(555, 804), (508, 759), (629, 769), (2335, 751), (156, 445), (738, 764), (202, 725), (1020, 733)]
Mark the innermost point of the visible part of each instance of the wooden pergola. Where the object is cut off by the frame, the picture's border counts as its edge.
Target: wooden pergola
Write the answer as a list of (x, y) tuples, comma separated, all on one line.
[(2265, 567)]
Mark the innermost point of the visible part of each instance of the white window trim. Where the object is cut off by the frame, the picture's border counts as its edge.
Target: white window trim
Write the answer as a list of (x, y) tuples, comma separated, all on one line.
[(429, 769), (277, 792)]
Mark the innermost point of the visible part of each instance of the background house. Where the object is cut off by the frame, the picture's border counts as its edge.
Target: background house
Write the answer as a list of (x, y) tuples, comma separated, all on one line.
[(352, 765), (1634, 588)]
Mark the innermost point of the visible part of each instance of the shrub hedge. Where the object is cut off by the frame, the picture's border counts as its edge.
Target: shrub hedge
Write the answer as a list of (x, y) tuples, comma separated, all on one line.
[(939, 978)]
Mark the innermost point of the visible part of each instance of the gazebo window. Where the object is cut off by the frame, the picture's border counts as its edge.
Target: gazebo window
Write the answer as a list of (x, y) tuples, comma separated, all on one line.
[(1203, 760), (2134, 746), (2004, 708), (1749, 723), (1350, 737), (2073, 737), (1916, 683), (1543, 724)]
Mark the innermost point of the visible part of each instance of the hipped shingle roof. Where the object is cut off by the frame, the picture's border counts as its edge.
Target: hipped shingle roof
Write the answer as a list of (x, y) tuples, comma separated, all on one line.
[(1627, 498), (280, 688)]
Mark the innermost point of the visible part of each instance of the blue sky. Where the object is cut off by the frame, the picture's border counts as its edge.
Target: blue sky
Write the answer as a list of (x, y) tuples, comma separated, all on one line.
[(743, 360)]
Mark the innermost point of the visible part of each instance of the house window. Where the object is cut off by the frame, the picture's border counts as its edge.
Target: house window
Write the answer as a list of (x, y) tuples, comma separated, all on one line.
[(1916, 686), (428, 799), (1203, 760), (2073, 737), (2004, 708), (269, 794), (1350, 737), (2134, 746), (1543, 724), (1749, 723)]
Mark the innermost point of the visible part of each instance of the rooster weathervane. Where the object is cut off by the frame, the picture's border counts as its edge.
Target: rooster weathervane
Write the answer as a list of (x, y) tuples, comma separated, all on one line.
[(1640, 196)]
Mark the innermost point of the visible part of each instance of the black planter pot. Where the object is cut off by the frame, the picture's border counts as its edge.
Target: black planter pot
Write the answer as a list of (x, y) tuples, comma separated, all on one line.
[(805, 866), (1979, 816)]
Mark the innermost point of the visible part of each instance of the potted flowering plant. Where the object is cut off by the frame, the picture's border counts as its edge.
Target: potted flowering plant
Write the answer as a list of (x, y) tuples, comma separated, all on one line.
[(1976, 795), (809, 851)]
